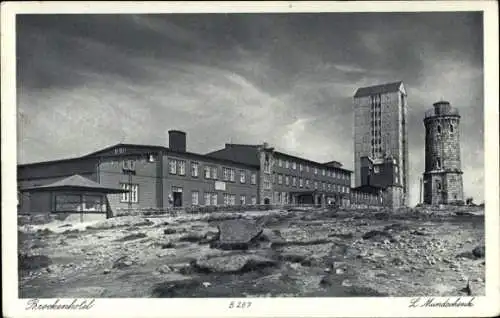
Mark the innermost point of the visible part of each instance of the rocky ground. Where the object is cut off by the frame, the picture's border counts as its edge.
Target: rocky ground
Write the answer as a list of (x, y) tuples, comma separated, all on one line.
[(280, 253)]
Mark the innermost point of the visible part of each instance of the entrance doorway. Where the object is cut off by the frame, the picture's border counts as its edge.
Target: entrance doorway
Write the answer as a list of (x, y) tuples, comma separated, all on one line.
[(177, 197), (267, 201)]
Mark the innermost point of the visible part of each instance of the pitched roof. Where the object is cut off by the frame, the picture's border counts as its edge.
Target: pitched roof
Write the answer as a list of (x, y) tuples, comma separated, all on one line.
[(246, 154), (76, 182), (378, 89)]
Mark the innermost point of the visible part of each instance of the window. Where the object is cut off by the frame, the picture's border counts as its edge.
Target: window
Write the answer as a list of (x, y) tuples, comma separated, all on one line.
[(267, 182), (301, 182), (280, 179), (284, 198), (274, 177), (231, 175), (438, 129), (132, 196), (376, 169), (396, 169), (280, 162), (287, 180), (243, 200), (328, 173), (194, 169), (194, 198), (307, 183), (172, 163), (323, 185), (328, 187), (207, 196), (451, 128), (253, 178), (182, 167), (438, 185), (315, 184), (323, 172), (267, 166), (315, 170), (301, 167), (348, 190), (294, 181), (225, 174), (438, 163), (214, 173), (206, 171), (307, 168), (277, 197), (294, 166), (214, 198), (254, 200), (287, 164), (242, 176)]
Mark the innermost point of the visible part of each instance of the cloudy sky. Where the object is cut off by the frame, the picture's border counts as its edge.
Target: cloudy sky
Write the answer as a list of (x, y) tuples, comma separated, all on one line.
[(85, 82)]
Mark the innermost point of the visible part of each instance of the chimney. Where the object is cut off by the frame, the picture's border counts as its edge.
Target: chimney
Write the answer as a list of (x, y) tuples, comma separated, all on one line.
[(177, 140)]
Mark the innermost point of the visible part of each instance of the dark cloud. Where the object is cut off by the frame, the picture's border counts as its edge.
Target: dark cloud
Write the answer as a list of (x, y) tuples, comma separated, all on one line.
[(283, 78)]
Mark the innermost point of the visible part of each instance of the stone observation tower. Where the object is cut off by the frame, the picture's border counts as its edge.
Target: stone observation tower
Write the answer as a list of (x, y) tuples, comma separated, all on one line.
[(443, 175)]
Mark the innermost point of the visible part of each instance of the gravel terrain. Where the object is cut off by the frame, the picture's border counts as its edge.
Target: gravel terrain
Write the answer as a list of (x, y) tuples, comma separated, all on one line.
[(302, 252)]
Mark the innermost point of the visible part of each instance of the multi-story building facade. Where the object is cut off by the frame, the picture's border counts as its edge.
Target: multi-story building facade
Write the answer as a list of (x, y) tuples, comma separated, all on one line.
[(443, 175), (156, 177), (381, 136), (287, 179)]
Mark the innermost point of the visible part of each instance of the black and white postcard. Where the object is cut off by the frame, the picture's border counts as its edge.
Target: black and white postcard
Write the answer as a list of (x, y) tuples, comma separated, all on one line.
[(250, 159)]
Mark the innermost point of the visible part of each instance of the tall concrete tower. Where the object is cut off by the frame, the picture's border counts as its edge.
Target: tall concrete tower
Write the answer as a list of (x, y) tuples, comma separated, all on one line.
[(381, 132), (443, 176)]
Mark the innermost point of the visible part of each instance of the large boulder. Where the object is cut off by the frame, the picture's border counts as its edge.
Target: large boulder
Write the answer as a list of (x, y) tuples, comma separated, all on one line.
[(233, 263), (237, 234)]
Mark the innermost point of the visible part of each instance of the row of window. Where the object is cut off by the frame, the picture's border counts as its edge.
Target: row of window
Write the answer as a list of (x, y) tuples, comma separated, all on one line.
[(211, 198), (292, 181), (324, 172), (178, 167), (452, 128)]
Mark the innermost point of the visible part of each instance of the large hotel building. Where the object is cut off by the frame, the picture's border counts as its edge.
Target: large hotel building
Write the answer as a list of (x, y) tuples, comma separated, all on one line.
[(158, 177)]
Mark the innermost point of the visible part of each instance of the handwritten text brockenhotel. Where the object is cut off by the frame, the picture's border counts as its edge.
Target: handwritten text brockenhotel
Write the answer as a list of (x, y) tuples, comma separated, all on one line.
[(75, 304), (432, 302)]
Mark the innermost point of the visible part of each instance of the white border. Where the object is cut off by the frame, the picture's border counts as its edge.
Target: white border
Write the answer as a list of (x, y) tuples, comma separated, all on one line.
[(262, 307)]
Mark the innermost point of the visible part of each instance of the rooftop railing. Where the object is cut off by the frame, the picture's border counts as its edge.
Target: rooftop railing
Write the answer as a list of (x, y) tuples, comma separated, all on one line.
[(441, 112)]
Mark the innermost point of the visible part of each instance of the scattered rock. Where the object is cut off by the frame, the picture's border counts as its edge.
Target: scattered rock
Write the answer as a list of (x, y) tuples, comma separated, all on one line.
[(167, 245), (132, 237), (192, 237), (346, 283), (479, 251), (176, 286), (106, 271), (33, 262), (84, 292), (169, 231), (419, 232), (397, 261), (233, 263), (163, 269), (206, 284), (65, 225), (377, 235), (396, 227), (123, 262)]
